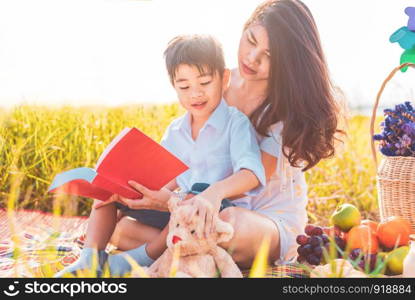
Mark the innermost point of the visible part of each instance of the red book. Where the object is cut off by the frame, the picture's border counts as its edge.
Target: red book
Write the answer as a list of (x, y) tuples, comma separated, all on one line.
[(131, 155)]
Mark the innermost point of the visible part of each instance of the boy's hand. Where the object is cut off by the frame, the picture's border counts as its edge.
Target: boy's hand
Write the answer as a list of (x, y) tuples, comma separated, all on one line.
[(156, 200)]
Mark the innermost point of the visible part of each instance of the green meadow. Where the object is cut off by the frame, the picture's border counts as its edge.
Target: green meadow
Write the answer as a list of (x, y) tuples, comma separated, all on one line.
[(37, 142)]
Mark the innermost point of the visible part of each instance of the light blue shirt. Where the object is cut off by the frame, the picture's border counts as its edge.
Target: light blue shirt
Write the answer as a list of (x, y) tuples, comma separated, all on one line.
[(226, 144)]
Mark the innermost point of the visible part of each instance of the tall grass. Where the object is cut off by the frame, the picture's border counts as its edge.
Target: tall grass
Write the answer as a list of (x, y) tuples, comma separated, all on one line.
[(38, 142), (49, 141)]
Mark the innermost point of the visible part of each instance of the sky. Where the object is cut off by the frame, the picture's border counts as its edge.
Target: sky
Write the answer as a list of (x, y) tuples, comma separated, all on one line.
[(110, 52)]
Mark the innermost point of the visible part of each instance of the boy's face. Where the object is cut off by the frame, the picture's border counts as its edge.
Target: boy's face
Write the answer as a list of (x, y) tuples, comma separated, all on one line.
[(198, 93)]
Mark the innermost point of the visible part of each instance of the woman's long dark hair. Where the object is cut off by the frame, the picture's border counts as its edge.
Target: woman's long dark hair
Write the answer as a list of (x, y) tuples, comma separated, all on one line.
[(300, 93)]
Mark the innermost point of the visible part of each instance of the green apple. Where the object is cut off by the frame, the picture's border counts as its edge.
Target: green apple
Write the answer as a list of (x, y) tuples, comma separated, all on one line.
[(394, 260), (345, 217)]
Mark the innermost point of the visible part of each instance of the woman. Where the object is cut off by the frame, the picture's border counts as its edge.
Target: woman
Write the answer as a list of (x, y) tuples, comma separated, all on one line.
[(282, 84)]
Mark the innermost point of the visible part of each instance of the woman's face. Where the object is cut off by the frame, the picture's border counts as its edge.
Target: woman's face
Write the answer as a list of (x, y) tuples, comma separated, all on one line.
[(254, 55)]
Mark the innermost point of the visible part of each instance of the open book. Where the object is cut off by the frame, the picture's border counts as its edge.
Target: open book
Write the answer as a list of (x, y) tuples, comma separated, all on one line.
[(131, 155)]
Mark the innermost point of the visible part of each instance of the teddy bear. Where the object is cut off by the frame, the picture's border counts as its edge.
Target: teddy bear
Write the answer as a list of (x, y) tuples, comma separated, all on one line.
[(193, 256)]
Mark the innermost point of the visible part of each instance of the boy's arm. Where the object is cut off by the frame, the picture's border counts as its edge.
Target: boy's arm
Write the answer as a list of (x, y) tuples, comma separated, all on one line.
[(245, 154), (206, 205), (157, 200), (231, 187), (270, 164)]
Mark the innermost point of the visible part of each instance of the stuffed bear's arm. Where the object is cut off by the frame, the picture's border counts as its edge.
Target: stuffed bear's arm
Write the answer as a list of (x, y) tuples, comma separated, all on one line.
[(227, 267)]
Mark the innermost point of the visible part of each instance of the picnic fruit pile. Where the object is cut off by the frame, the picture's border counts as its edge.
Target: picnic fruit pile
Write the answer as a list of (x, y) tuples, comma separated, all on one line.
[(370, 246)]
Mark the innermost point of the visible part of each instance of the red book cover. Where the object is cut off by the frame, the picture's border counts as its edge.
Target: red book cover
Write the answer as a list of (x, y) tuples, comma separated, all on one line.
[(131, 155)]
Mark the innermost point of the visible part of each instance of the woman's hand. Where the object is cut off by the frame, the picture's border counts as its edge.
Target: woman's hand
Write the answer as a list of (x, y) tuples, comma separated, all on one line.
[(156, 200)]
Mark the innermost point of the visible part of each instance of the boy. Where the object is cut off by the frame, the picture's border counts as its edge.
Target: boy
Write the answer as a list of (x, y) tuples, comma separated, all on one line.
[(216, 141)]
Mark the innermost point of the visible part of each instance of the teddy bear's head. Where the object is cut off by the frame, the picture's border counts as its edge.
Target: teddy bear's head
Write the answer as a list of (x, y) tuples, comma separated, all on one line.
[(183, 234)]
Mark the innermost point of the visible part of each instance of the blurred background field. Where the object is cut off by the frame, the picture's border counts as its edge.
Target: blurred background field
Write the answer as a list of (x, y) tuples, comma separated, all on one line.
[(37, 142)]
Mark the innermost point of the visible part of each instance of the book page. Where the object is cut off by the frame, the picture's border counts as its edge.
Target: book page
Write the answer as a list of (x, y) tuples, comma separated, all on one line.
[(111, 145), (139, 158)]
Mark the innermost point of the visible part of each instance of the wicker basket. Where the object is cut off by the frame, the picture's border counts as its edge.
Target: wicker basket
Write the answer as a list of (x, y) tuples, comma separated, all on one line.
[(395, 175)]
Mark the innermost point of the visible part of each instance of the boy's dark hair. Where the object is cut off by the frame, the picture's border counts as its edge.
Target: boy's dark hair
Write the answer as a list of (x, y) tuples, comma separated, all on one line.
[(202, 51)]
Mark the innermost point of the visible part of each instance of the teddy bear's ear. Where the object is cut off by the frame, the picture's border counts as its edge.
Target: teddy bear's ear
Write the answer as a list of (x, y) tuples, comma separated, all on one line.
[(224, 230), (174, 199)]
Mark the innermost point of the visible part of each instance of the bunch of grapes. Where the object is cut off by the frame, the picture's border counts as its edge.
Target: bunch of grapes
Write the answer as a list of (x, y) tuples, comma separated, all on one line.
[(398, 135), (313, 243), (369, 261)]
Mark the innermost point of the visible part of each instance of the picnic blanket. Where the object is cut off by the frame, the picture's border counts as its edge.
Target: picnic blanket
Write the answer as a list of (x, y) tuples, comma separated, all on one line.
[(38, 244)]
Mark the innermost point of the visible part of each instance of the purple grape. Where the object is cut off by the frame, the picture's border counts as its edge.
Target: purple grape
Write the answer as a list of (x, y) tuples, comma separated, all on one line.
[(304, 250), (354, 254), (301, 251), (340, 242), (300, 259), (362, 264), (372, 259), (327, 246), (325, 238), (308, 249), (318, 251), (309, 229), (317, 231), (302, 239), (313, 260), (315, 241)]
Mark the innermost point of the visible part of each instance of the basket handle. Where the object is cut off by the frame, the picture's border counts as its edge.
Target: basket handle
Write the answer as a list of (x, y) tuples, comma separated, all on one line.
[(372, 121)]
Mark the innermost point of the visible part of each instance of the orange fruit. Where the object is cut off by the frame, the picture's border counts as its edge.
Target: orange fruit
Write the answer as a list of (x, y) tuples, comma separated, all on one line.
[(372, 224), (362, 237), (394, 231)]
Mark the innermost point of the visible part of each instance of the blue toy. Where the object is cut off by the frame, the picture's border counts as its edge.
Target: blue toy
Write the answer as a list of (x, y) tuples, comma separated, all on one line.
[(410, 11), (405, 38)]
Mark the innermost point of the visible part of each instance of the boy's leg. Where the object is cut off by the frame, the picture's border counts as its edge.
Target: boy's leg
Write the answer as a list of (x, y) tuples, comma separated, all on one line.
[(130, 233), (101, 224), (144, 254)]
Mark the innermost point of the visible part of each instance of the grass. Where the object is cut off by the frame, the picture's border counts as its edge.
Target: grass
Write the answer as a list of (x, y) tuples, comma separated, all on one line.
[(38, 142)]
